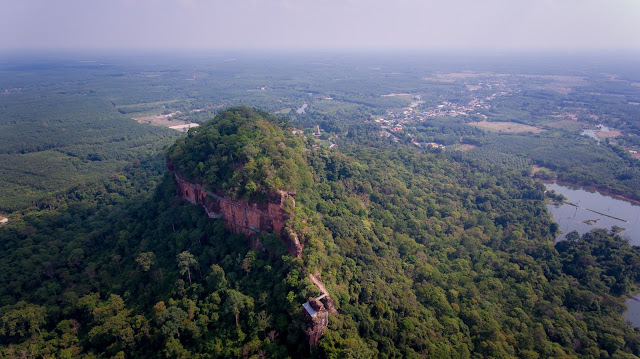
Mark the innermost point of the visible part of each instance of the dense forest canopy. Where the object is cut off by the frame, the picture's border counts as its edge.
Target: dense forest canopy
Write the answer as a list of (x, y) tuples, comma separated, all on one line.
[(425, 255), (415, 203)]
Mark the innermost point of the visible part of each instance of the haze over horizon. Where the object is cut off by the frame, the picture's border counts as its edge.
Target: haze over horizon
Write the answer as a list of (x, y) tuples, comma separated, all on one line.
[(564, 25)]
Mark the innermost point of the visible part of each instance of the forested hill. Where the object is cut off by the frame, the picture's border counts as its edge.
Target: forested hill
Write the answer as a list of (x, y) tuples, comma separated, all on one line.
[(243, 152), (425, 256)]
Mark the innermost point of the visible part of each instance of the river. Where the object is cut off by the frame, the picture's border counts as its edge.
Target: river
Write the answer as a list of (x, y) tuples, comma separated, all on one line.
[(584, 218)]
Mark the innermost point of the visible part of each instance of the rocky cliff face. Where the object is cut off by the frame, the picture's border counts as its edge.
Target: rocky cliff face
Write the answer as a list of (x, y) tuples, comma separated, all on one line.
[(253, 217), (243, 217)]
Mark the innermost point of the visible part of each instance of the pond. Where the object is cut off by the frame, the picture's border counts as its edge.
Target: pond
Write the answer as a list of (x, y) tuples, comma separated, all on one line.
[(594, 133), (583, 217)]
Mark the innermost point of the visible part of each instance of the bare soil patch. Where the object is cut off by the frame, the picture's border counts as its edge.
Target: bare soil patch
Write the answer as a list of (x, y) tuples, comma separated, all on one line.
[(609, 134), (165, 121), (396, 94), (508, 127), (184, 127), (465, 147), (536, 168)]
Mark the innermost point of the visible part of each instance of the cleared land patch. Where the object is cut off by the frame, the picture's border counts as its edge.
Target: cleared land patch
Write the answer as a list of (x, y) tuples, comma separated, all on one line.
[(184, 127), (144, 105), (396, 94), (455, 76), (166, 121), (608, 134), (330, 106), (560, 84), (569, 125), (508, 127), (465, 147)]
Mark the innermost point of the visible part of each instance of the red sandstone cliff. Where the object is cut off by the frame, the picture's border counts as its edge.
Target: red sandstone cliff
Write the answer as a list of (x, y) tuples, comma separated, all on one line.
[(244, 217)]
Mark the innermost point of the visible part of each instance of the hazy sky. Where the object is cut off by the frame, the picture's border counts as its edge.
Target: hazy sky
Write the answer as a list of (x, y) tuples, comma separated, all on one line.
[(325, 24)]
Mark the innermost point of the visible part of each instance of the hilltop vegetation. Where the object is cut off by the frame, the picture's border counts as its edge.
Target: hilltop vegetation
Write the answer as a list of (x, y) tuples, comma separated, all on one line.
[(243, 152), (425, 255)]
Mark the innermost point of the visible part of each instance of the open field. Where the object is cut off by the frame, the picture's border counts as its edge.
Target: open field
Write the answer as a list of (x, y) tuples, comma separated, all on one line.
[(455, 76), (165, 121), (537, 169), (397, 94), (609, 134), (284, 111), (184, 127), (144, 105), (560, 84), (509, 127), (330, 106), (568, 125), (465, 147)]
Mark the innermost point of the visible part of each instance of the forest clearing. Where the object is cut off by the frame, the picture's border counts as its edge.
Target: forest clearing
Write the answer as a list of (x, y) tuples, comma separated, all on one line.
[(509, 127)]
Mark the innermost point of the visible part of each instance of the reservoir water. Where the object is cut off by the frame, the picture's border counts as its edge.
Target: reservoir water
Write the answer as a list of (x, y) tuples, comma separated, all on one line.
[(583, 219), (594, 210), (633, 312)]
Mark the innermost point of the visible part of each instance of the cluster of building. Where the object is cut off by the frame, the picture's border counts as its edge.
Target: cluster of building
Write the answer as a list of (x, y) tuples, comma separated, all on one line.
[(451, 109), (396, 120)]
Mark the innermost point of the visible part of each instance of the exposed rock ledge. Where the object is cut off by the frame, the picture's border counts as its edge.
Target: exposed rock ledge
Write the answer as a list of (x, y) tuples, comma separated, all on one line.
[(243, 217)]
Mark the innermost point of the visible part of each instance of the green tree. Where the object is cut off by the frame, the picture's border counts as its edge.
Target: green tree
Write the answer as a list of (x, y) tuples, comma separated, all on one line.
[(186, 261), (145, 260), (23, 319), (236, 302)]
